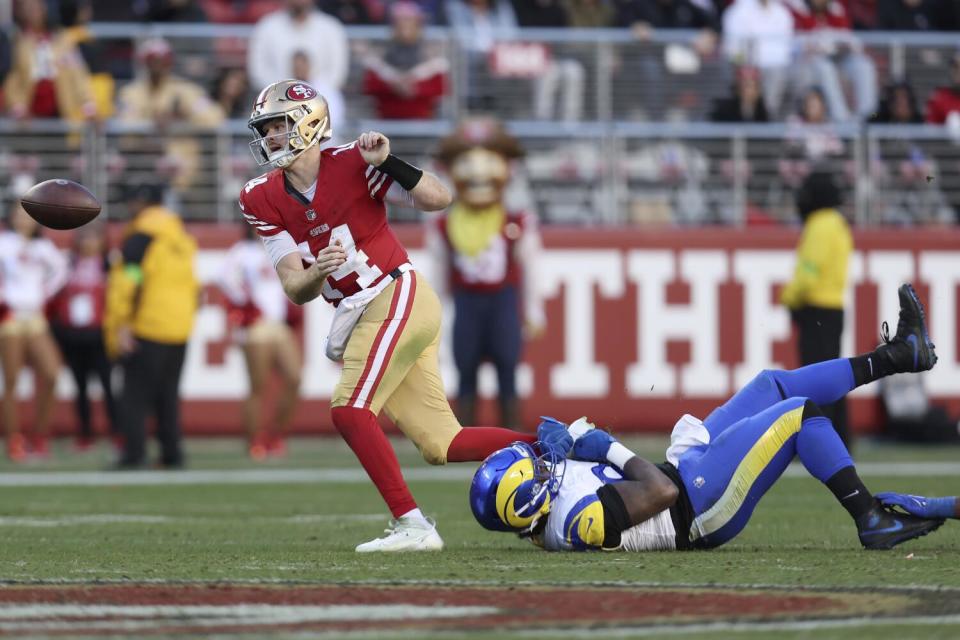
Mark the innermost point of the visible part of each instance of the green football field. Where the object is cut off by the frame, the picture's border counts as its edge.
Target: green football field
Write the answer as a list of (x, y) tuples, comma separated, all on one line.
[(75, 534)]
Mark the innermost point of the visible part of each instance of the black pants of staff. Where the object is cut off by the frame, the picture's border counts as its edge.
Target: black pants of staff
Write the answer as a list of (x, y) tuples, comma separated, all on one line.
[(151, 383), (819, 332), (84, 353)]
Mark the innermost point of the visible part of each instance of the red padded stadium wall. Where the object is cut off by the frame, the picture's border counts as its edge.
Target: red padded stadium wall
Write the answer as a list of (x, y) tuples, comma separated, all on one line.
[(644, 325)]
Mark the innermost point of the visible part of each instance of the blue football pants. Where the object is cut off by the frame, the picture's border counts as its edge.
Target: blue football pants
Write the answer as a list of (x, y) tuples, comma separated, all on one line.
[(754, 436)]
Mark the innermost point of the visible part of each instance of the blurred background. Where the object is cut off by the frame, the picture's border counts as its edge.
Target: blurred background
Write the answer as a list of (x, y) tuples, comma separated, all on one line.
[(665, 142)]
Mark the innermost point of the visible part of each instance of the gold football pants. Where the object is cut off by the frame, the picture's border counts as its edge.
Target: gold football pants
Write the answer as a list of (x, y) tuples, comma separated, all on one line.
[(391, 363)]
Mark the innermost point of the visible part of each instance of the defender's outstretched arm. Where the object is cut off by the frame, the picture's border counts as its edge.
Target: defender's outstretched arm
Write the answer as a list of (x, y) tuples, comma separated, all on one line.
[(646, 492)]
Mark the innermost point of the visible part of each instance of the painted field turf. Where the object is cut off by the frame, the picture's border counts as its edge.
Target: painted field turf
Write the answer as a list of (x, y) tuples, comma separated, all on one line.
[(304, 532)]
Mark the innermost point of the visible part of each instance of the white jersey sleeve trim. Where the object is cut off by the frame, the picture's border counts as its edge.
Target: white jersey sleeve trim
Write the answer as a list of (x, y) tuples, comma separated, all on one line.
[(279, 245)]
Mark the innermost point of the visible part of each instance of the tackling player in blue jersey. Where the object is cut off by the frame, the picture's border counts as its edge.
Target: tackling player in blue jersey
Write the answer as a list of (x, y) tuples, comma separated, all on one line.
[(717, 470)]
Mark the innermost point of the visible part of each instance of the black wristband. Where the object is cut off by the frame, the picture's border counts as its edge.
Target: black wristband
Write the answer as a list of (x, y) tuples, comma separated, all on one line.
[(404, 174)]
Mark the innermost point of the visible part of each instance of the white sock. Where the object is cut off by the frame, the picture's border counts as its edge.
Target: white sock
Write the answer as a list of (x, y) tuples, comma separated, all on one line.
[(414, 514)]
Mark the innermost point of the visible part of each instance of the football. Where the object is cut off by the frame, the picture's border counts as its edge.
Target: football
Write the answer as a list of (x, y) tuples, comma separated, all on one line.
[(60, 204)]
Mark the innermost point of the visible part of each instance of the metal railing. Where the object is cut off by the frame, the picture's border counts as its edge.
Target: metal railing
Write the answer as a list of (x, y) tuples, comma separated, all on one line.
[(612, 165), (622, 78), (586, 173)]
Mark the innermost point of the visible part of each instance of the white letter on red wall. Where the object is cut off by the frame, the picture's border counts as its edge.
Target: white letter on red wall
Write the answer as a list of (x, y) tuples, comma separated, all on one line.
[(697, 322)]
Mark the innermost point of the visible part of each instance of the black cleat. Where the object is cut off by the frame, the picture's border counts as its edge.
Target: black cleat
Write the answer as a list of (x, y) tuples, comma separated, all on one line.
[(910, 350), (884, 528)]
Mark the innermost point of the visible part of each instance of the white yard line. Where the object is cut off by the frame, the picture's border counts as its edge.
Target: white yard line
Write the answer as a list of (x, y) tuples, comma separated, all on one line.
[(132, 518), (746, 626), (457, 582), (356, 475)]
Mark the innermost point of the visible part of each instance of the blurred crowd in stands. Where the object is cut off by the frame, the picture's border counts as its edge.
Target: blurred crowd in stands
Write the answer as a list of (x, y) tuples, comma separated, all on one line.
[(799, 62), (778, 49)]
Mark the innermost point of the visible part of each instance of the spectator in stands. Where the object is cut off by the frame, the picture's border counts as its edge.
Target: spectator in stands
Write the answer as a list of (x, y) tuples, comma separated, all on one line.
[(477, 24), (809, 134), (906, 15), (174, 11), (540, 13), (559, 89), (355, 11), (76, 316), (48, 78), (75, 15), (816, 293), (336, 106), (746, 102), (648, 16), (898, 106), (760, 33), (591, 13), (230, 92), (152, 297), (161, 98), (863, 14), (298, 27), (830, 50), (903, 173), (32, 270), (239, 11), (407, 80), (262, 321), (946, 99)]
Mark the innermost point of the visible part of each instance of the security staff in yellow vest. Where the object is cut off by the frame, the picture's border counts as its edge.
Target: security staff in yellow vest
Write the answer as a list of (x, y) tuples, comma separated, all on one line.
[(816, 293), (152, 298)]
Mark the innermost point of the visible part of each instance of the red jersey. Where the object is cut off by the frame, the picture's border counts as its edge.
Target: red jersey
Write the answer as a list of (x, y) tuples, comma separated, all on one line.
[(347, 206), (80, 303), (495, 267)]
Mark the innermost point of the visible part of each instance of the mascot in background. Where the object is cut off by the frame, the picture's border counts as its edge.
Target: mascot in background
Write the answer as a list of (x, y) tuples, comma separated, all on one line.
[(487, 258)]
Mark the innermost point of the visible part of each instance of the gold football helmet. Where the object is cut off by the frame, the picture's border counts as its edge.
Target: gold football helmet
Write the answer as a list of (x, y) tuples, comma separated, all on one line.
[(303, 110)]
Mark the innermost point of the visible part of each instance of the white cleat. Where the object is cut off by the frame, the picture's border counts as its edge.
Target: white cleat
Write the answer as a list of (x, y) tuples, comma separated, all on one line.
[(406, 534)]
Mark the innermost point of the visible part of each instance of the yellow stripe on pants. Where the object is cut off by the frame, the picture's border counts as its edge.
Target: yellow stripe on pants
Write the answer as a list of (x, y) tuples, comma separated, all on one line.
[(747, 472)]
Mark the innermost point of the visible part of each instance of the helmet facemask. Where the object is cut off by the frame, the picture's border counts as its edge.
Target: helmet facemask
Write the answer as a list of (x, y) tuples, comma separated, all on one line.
[(514, 488)]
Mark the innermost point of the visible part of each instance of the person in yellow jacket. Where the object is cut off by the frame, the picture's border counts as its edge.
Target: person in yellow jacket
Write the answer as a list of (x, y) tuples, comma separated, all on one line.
[(816, 293), (152, 298)]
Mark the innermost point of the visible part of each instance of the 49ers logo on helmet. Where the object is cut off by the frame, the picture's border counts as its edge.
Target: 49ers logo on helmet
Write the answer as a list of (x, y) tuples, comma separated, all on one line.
[(301, 92)]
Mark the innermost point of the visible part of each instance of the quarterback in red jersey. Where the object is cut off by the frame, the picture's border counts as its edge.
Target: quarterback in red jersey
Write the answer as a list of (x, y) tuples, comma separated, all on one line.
[(322, 219)]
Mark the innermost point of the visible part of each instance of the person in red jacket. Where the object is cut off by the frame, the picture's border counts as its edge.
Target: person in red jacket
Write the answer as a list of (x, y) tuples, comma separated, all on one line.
[(946, 100), (407, 81), (76, 317)]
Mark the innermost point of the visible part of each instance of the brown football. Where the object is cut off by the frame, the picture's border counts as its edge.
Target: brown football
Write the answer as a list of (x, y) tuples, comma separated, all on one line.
[(60, 204)]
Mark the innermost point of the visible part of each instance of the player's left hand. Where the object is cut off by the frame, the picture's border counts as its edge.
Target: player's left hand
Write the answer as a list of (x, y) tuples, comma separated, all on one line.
[(374, 147), (593, 446)]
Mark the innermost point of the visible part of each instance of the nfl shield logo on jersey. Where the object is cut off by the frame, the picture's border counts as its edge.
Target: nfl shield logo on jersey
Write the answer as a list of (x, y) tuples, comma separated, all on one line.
[(311, 215)]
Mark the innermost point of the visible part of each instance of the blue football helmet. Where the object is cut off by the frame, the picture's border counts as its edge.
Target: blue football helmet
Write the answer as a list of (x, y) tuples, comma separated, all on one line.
[(513, 488)]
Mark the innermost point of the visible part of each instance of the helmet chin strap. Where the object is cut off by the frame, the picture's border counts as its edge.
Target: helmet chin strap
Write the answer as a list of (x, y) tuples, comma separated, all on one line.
[(289, 154)]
